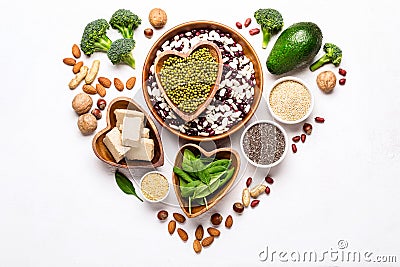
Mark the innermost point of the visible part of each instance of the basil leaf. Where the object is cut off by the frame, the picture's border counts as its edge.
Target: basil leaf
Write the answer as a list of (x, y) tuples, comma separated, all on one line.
[(125, 184)]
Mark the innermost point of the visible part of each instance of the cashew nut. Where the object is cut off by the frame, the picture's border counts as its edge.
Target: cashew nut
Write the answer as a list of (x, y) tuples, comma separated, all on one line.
[(78, 77), (92, 72)]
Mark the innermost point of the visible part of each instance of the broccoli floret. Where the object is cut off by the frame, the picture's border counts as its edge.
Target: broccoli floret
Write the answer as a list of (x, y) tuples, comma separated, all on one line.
[(333, 55), (271, 23), (94, 37), (121, 52), (125, 22)]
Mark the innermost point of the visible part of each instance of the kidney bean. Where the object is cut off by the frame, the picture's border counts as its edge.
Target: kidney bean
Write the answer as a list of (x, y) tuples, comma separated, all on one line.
[(254, 31)]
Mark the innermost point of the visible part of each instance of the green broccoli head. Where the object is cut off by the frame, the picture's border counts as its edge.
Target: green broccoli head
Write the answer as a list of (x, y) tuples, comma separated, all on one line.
[(125, 22), (271, 23), (121, 52), (333, 55), (94, 37)]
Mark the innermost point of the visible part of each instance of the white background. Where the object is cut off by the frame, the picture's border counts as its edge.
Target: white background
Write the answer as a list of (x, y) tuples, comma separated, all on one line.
[(60, 206)]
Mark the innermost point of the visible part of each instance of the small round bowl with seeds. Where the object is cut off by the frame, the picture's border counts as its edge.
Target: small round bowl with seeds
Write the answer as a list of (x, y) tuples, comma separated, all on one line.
[(154, 186), (290, 100), (264, 143)]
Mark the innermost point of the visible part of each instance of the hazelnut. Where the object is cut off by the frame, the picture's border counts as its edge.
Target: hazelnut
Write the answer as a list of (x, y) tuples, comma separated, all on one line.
[(82, 103), (216, 219), (97, 113), (87, 123), (238, 207), (162, 215), (101, 104), (157, 18), (148, 33), (326, 81)]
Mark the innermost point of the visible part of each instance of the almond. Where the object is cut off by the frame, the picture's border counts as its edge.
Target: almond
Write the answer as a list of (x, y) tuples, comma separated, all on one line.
[(171, 227), (179, 217), (229, 221), (101, 90), (207, 241), (199, 232), (69, 61), (104, 81), (182, 234), (130, 83), (76, 52), (88, 89), (197, 246), (77, 67), (118, 84), (213, 231)]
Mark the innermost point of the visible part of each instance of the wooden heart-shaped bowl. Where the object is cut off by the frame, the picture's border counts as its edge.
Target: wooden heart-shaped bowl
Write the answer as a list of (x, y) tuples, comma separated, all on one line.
[(210, 25), (159, 62), (101, 150), (212, 200)]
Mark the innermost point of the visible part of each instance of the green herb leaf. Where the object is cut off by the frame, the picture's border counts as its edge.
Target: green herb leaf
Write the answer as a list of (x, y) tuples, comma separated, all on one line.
[(125, 184)]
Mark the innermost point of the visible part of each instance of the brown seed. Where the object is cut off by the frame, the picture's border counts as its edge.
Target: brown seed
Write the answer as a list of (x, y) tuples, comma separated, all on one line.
[(254, 31), (269, 180), (148, 32), (118, 84), (303, 138), (97, 113), (319, 119), (307, 128), (229, 221), (101, 104), (171, 227), (216, 219), (88, 89), (182, 234), (77, 67), (213, 231), (247, 22), (238, 25), (162, 215), (296, 138), (238, 207), (342, 81), (101, 90), (76, 52), (130, 83), (179, 217), (254, 203), (267, 190), (69, 61), (104, 81), (199, 232), (294, 148), (248, 181), (207, 241), (197, 246)]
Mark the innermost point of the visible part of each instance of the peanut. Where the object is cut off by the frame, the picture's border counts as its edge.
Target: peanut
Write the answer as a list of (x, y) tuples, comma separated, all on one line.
[(258, 190), (246, 197), (78, 78), (92, 72)]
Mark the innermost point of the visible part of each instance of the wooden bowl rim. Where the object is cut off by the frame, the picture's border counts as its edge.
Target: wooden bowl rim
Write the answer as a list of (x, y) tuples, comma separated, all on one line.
[(222, 193), (108, 128), (206, 23)]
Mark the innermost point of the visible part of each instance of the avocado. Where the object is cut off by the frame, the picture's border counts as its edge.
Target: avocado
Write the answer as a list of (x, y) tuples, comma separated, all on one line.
[(295, 47)]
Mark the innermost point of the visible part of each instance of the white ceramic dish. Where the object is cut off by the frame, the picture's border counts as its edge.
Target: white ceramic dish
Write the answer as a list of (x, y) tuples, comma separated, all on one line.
[(284, 79), (284, 152), (144, 196)]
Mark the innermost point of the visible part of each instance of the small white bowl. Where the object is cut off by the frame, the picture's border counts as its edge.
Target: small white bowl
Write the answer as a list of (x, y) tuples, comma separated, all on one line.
[(141, 191), (291, 78), (284, 152)]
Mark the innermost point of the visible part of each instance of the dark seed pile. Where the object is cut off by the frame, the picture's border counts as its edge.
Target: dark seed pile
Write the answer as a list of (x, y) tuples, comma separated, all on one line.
[(264, 143)]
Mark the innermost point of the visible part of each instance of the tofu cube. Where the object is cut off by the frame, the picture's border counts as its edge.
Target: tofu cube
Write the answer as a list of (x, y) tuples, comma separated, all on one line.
[(113, 142), (121, 114), (145, 151), (146, 133), (132, 131)]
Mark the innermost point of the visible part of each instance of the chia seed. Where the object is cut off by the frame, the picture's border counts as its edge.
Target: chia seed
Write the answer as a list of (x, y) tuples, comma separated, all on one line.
[(264, 143)]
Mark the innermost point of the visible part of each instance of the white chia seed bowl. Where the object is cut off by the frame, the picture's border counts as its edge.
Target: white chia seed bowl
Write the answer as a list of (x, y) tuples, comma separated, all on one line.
[(290, 100), (264, 143), (240, 88)]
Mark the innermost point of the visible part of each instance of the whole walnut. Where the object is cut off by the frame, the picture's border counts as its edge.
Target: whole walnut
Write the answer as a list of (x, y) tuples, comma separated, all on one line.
[(82, 103), (87, 123), (157, 18), (326, 81)]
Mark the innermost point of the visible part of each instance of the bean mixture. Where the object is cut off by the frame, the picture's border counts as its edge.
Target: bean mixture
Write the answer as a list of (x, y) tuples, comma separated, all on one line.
[(264, 143), (234, 97)]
